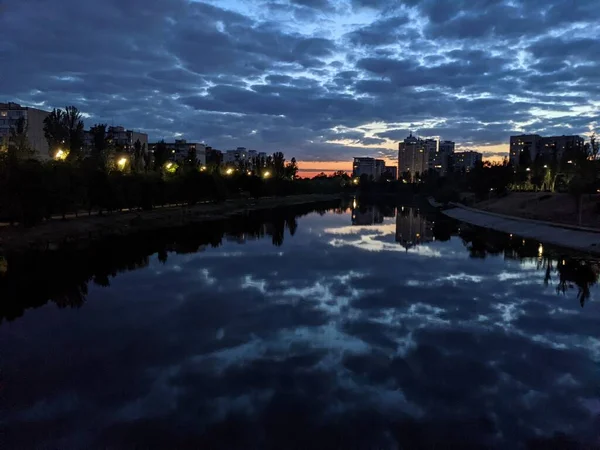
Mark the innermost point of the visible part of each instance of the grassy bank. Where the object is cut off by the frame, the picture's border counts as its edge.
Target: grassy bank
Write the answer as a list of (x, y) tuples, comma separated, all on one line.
[(550, 207), (80, 232)]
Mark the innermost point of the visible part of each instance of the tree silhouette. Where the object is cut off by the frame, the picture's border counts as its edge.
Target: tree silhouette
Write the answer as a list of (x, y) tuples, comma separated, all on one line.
[(161, 155)]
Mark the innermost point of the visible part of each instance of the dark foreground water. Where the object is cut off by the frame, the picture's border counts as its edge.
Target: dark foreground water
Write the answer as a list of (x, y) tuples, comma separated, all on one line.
[(365, 328)]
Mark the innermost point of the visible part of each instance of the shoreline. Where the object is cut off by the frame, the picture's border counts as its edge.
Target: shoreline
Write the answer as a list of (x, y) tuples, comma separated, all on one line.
[(562, 235), (84, 230)]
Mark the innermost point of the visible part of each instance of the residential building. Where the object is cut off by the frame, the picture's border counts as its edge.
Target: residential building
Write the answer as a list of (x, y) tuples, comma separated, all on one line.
[(391, 172), (250, 159), (10, 114), (465, 161), (413, 158), (180, 150), (538, 146), (213, 156), (119, 137), (441, 159), (557, 146), (371, 167), (524, 147)]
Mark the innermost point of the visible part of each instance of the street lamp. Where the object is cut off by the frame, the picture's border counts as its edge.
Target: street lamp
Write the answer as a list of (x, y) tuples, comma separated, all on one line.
[(60, 155), (229, 171), (528, 169), (267, 174), (121, 163)]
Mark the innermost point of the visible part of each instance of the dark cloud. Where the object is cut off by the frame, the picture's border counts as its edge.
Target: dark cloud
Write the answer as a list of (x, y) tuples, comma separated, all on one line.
[(243, 74)]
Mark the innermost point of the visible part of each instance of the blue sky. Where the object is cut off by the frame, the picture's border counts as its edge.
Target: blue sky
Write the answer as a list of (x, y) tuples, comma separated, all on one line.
[(322, 80)]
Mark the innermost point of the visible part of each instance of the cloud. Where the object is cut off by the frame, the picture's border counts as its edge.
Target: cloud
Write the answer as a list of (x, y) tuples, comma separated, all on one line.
[(282, 75)]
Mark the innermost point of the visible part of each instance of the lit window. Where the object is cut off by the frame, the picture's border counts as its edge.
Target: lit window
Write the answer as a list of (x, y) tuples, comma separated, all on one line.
[(3, 113)]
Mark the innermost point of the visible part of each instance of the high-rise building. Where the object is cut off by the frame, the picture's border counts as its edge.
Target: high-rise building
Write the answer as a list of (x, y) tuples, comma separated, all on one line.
[(558, 146), (10, 113), (371, 167), (413, 158), (525, 148), (440, 161), (465, 161)]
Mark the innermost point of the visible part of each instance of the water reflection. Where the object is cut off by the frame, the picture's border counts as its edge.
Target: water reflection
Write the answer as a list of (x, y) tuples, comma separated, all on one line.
[(339, 337), (62, 277)]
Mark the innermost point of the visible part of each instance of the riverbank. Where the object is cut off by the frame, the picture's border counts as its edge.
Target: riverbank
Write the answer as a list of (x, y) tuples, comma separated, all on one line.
[(586, 240), (557, 208), (83, 230)]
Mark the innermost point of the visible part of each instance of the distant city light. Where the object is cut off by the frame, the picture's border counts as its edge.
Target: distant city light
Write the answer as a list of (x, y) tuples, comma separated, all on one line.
[(540, 250)]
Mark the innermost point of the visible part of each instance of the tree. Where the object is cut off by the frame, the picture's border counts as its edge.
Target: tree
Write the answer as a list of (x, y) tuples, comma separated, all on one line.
[(161, 155), (291, 169), (74, 127), (19, 148), (54, 131), (191, 159), (138, 157), (278, 164), (100, 146), (64, 131)]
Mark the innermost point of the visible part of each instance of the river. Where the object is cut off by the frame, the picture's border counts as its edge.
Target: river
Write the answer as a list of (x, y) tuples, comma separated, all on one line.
[(358, 327)]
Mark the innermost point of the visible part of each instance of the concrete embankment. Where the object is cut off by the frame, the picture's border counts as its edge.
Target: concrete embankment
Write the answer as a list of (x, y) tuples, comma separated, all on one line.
[(577, 238), (83, 230)]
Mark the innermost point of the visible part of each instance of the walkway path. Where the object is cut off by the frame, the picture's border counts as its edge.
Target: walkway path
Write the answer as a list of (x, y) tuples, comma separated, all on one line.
[(585, 239)]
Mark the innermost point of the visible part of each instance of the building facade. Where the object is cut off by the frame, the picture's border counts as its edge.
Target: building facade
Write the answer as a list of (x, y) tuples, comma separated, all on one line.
[(10, 113), (466, 161), (119, 137), (526, 148), (371, 167), (413, 158), (443, 157)]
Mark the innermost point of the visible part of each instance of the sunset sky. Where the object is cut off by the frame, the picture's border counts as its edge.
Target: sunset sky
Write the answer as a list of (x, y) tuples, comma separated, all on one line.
[(321, 80)]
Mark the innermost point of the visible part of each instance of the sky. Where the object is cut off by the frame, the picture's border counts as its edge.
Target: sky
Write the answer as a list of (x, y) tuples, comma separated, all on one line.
[(321, 80)]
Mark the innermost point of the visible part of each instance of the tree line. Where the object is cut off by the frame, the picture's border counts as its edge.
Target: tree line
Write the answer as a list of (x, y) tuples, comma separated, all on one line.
[(105, 176)]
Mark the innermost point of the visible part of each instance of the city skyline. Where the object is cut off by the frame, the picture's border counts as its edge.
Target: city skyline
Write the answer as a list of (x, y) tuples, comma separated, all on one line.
[(319, 80)]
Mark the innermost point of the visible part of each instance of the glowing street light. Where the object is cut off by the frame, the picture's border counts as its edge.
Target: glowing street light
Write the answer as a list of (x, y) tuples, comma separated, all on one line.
[(203, 169), (267, 174), (528, 169), (169, 165), (355, 181), (60, 155), (121, 163), (229, 171)]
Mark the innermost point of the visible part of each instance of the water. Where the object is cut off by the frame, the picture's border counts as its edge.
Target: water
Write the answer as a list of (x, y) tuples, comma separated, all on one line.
[(359, 328)]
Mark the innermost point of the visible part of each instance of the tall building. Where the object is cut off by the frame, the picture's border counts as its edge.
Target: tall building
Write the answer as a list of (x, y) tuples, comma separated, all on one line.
[(524, 147), (370, 167), (527, 147), (413, 157), (10, 113), (466, 161), (559, 146), (440, 161)]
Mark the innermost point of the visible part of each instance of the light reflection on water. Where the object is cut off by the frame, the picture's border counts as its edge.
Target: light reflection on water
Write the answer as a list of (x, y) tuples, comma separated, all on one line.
[(360, 328)]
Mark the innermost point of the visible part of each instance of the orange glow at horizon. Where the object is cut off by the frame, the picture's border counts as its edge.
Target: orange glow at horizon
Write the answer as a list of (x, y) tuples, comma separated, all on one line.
[(309, 169)]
